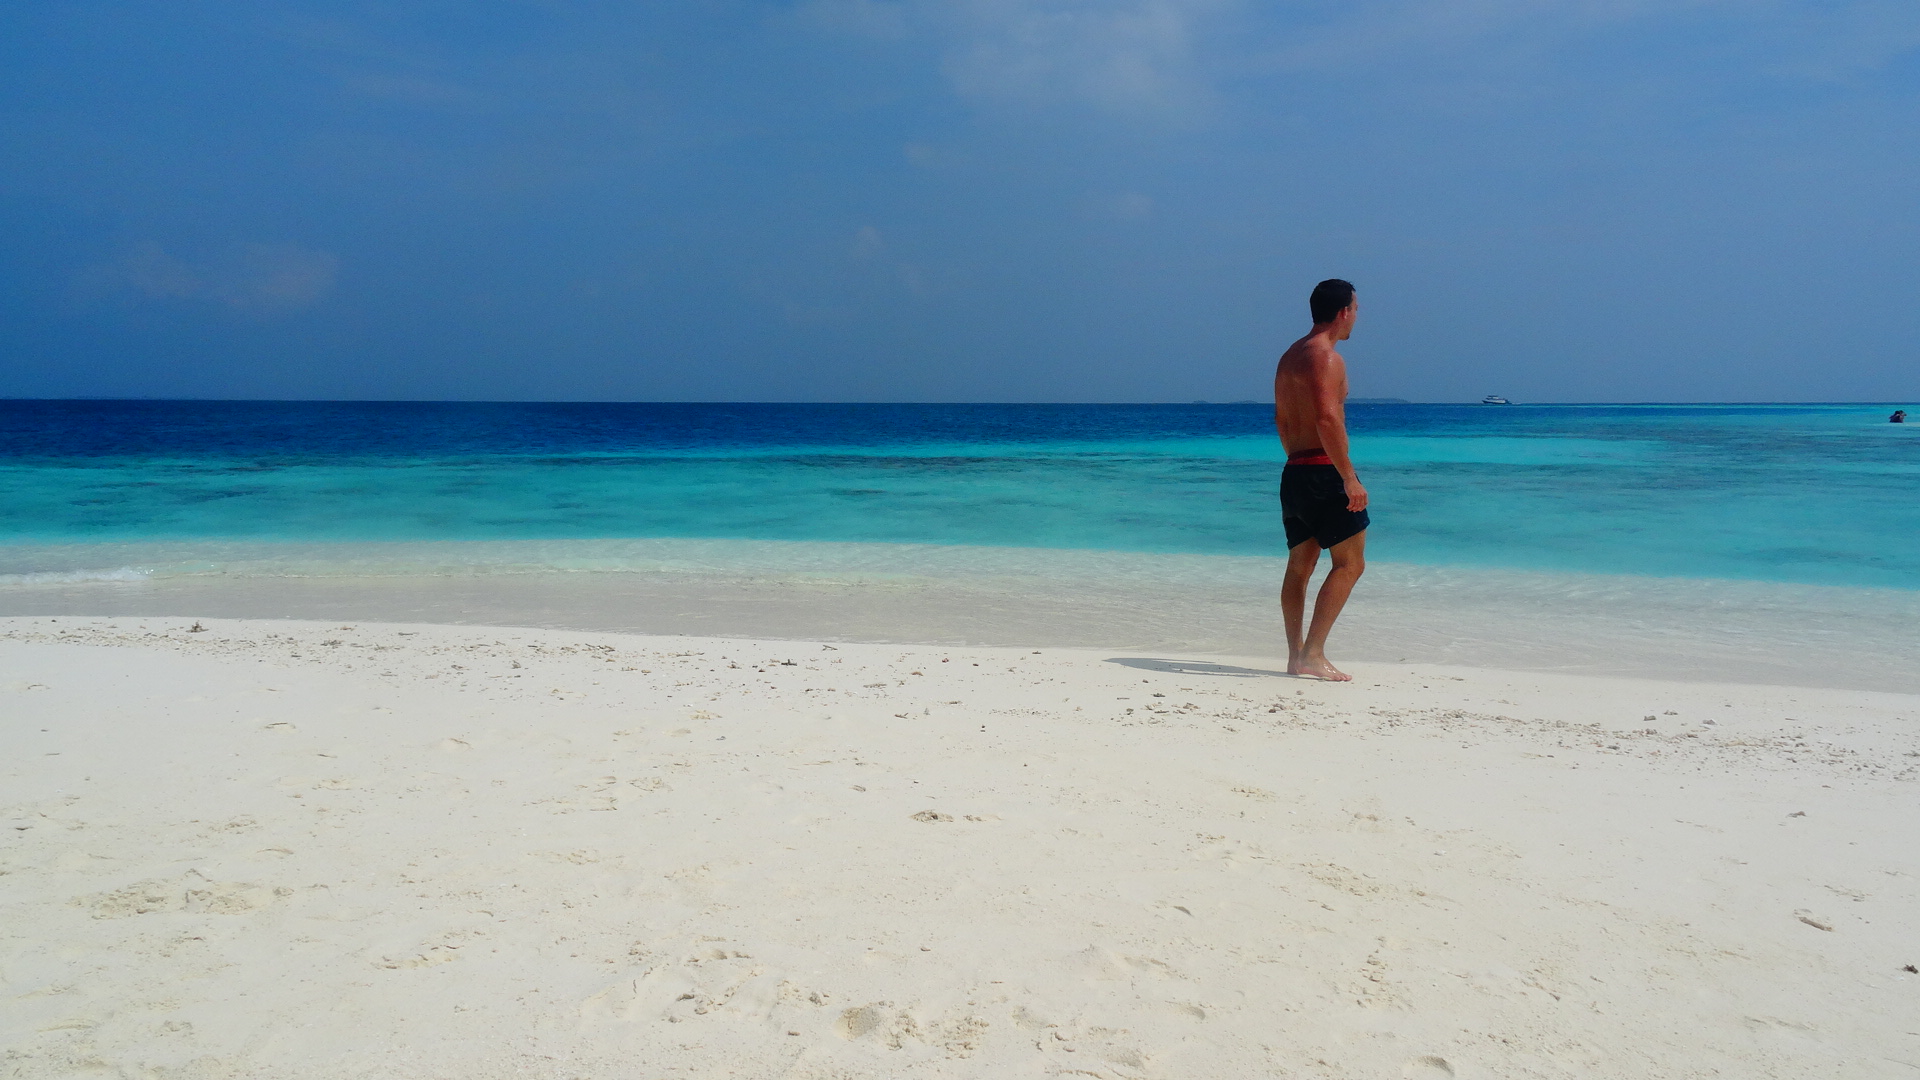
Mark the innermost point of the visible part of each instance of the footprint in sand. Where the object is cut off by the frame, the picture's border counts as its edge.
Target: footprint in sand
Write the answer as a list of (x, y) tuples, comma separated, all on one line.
[(196, 894), (419, 960), (142, 898), (854, 1023), (455, 745), (1813, 920), (1427, 1067), (232, 897)]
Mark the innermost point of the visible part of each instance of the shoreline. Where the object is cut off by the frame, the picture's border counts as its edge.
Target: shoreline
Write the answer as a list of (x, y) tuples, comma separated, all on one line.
[(276, 849), (1681, 628)]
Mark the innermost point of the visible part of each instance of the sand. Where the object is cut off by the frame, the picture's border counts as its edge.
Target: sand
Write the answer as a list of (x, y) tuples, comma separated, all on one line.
[(285, 849)]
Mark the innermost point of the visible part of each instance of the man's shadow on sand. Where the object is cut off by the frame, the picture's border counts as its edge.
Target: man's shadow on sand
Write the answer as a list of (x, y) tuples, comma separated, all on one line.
[(1193, 667)]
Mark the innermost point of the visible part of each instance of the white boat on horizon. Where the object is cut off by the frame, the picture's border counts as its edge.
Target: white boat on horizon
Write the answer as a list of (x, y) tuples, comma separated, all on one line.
[(1494, 399)]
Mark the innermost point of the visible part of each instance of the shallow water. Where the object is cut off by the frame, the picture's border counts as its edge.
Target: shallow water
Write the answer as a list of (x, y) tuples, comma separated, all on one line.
[(1816, 494), (1752, 543), (1146, 604)]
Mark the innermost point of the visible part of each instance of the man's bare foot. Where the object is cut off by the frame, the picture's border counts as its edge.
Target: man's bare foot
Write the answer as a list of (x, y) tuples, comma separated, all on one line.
[(1317, 668)]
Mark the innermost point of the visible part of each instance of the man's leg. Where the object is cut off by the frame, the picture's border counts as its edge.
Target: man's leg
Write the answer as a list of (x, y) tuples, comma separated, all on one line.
[(1301, 560), (1349, 562)]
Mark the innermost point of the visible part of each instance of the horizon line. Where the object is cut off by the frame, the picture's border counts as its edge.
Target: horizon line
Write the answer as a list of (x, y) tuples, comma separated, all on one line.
[(1370, 400)]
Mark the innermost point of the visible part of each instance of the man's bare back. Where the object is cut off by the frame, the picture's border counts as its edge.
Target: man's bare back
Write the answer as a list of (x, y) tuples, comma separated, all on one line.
[(1309, 388), (1322, 500)]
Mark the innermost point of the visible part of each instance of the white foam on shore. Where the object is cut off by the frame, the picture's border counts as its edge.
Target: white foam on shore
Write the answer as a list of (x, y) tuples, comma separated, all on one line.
[(74, 577)]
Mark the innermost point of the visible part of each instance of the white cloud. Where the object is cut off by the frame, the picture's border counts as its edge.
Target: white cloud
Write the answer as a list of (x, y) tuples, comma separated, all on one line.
[(1132, 56), (250, 279), (1823, 40), (885, 19), (268, 279), (868, 243), (1125, 56), (1839, 43), (1163, 58), (1375, 31), (1128, 206), (150, 272)]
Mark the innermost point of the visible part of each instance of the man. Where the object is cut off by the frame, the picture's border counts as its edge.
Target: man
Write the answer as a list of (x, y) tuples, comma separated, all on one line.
[(1321, 500)]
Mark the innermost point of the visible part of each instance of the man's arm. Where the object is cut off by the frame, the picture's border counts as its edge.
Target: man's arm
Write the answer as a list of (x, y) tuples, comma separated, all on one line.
[(1330, 407)]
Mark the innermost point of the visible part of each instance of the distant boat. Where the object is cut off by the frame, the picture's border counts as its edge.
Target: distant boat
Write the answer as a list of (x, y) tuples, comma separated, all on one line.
[(1494, 399)]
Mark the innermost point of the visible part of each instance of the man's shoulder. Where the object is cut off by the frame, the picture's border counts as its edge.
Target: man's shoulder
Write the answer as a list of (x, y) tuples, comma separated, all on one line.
[(1313, 351)]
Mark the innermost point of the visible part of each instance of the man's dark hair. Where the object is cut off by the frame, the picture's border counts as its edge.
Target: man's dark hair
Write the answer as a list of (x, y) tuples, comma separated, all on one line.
[(1329, 299)]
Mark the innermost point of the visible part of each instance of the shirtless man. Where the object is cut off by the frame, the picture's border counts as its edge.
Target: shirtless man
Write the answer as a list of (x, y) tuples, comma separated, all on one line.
[(1321, 499)]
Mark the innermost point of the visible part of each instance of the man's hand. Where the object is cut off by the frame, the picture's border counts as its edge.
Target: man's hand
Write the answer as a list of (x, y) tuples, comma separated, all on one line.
[(1356, 495)]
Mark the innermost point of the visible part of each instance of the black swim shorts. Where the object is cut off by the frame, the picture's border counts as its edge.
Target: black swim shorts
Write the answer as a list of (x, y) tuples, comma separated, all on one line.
[(1313, 506)]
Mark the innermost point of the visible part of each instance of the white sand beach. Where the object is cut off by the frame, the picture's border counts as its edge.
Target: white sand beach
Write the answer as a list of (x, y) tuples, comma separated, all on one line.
[(304, 849)]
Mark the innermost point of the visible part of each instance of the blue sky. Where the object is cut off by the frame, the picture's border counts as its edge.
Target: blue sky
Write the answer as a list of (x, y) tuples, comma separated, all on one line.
[(985, 200)]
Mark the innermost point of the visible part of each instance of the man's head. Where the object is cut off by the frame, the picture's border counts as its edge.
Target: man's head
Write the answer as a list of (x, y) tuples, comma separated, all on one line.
[(1333, 301)]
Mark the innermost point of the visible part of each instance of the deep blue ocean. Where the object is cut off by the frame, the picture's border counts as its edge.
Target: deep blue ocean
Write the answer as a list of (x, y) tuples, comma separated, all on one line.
[(1819, 494)]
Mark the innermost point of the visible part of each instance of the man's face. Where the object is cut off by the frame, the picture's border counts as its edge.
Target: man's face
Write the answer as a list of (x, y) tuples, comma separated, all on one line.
[(1344, 320)]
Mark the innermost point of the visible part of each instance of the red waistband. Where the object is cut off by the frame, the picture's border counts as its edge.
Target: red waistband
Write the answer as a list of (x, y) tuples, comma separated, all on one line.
[(1315, 456)]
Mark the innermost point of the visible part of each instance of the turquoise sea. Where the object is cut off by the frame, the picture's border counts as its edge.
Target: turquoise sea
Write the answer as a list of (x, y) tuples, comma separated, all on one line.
[(1808, 494)]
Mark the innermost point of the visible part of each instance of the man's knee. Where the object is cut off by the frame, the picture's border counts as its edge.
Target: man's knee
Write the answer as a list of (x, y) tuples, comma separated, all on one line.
[(1352, 561)]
